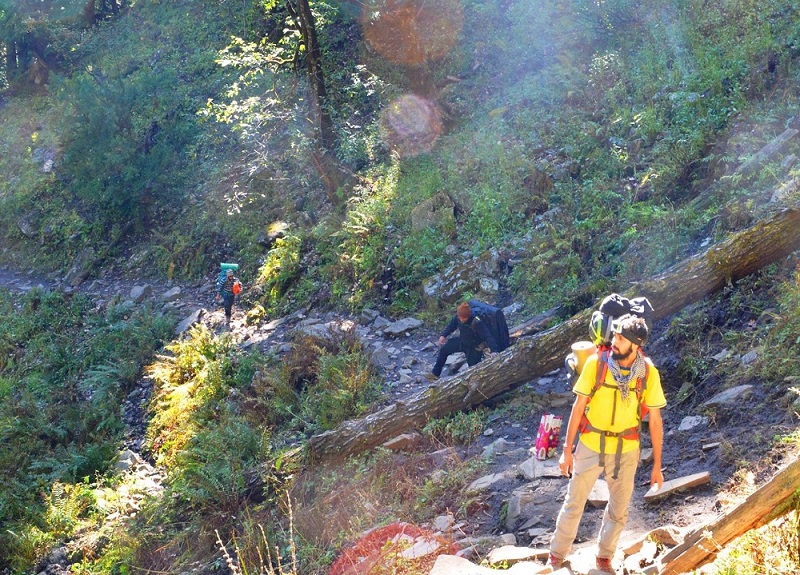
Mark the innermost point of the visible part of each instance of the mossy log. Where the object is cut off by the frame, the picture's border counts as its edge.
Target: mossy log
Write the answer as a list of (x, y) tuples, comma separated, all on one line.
[(684, 283)]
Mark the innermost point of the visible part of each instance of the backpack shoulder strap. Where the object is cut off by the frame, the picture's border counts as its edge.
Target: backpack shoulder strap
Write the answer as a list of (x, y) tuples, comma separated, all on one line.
[(602, 369)]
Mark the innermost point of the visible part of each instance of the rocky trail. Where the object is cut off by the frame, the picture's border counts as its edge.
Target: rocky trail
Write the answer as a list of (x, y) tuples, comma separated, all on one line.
[(520, 496)]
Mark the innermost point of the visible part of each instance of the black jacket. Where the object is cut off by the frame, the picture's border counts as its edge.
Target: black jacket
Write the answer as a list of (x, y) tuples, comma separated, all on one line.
[(473, 332)]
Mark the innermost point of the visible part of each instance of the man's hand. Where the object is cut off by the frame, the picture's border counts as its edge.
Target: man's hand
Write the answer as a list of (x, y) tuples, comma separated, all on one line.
[(565, 462), (218, 297), (656, 477), (442, 340)]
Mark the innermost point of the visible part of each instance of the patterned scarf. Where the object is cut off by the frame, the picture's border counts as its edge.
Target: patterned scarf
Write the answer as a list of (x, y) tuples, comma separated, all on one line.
[(637, 371)]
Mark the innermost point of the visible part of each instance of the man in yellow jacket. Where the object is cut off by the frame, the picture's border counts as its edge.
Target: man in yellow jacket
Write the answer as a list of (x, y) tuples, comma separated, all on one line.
[(607, 416)]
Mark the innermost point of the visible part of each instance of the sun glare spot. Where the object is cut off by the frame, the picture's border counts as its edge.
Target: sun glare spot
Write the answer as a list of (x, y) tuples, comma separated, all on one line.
[(411, 32), (411, 125)]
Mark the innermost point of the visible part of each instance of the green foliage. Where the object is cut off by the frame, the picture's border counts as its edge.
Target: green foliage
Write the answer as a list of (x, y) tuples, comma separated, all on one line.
[(208, 473), (361, 249), (65, 370), (280, 268), (346, 386), (458, 428), (783, 338), (189, 383)]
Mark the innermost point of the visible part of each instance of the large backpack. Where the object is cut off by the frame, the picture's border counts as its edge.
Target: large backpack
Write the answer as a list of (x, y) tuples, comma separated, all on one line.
[(495, 320), (611, 308)]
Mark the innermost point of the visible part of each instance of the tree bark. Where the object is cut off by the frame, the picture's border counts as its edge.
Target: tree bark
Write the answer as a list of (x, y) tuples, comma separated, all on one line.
[(771, 501), (304, 19), (686, 282)]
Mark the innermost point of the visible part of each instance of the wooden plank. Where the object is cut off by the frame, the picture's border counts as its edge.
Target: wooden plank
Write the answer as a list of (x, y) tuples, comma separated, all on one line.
[(679, 483), (771, 500)]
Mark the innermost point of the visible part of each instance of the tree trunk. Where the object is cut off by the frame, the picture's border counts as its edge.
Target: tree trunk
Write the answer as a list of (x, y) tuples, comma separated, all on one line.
[(687, 282), (771, 501), (304, 19)]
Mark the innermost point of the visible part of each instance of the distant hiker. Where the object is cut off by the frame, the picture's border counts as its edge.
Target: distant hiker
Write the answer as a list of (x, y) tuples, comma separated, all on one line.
[(607, 414), (474, 339), (228, 286)]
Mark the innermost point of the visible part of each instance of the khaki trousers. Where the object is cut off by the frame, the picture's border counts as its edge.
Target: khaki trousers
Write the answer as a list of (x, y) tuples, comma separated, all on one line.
[(585, 472)]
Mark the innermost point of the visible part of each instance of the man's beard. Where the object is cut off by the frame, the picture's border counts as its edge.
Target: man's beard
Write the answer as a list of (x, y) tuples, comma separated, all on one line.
[(621, 356)]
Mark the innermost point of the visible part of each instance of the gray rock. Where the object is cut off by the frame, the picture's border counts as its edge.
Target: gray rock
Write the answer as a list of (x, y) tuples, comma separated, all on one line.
[(691, 421), (367, 316), (497, 446), (140, 293), (443, 522), (511, 554), (402, 327), (749, 357), (172, 294), (486, 482), (730, 396), (189, 321)]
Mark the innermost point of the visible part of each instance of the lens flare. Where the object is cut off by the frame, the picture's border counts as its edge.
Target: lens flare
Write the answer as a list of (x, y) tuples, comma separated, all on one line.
[(412, 32), (411, 125)]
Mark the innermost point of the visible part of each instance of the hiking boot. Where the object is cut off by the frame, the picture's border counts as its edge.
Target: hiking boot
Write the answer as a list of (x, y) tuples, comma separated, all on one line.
[(555, 563), (431, 377), (604, 564)]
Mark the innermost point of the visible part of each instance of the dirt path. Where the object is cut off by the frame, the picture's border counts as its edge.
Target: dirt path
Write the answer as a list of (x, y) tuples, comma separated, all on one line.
[(514, 419)]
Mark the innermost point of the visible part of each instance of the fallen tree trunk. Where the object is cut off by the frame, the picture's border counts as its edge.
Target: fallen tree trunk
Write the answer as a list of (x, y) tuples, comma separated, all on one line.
[(769, 502), (686, 282)]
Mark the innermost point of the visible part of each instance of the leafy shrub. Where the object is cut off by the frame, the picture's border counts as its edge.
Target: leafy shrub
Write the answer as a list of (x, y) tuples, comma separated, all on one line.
[(280, 268), (62, 384), (188, 384), (458, 428)]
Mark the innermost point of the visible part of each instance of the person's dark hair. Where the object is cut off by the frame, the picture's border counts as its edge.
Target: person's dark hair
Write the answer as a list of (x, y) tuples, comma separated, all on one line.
[(633, 328)]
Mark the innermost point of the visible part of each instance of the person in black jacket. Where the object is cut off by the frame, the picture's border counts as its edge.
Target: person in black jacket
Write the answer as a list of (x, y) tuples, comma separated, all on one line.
[(474, 338)]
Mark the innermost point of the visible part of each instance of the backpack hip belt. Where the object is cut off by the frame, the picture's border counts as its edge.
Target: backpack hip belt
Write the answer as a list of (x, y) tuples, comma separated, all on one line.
[(631, 433)]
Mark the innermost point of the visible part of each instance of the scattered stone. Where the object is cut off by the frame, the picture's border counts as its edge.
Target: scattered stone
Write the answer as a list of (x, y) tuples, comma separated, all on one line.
[(404, 442), (511, 554), (368, 316), (497, 447), (709, 446), (402, 327), (730, 396), (422, 547), (171, 294), (668, 535), (518, 500), (140, 293), (443, 523), (749, 357), (189, 321), (721, 355), (691, 421), (533, 468), (598, 497), (455, 565), (380, 357), (486, 482)]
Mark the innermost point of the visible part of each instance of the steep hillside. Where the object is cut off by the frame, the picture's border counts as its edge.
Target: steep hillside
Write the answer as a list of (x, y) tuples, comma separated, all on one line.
[(401, 158)]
